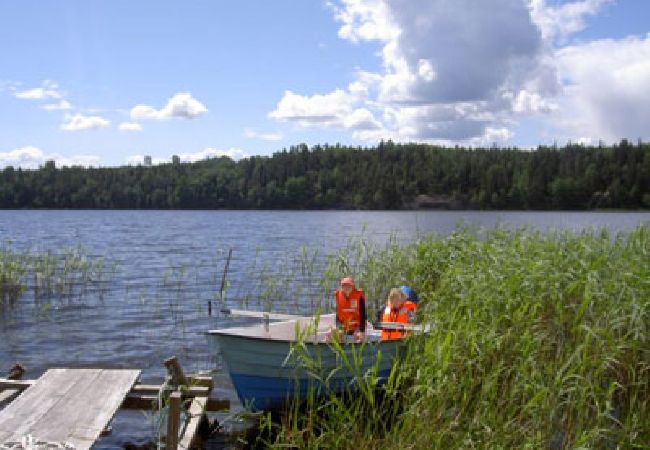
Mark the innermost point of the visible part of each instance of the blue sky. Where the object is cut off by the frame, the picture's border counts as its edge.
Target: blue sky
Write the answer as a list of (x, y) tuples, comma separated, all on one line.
[(251, 77)]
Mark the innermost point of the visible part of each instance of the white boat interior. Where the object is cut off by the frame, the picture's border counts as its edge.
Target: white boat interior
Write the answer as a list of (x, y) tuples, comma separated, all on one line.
[(310, 329)]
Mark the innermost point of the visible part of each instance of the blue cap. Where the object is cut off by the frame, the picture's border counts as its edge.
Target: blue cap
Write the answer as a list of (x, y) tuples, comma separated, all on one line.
[(410, 293)]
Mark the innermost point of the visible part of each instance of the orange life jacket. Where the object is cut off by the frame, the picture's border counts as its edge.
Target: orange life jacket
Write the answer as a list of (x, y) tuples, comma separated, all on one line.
[(405, 314), (348, 310)]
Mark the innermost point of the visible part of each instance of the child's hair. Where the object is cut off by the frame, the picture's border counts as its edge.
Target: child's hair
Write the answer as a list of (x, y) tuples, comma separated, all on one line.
[(395, 294)]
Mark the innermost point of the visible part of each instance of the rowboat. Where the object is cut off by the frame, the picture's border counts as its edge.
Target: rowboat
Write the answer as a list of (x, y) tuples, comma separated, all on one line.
[(273, 362)]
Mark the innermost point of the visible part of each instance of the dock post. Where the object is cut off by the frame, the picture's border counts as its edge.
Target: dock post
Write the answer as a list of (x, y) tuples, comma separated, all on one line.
[(173, 421), (176, 371), (16, 372)]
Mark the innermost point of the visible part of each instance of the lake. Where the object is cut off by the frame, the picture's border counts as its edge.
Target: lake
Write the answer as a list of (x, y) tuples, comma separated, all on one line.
[(168, 266)]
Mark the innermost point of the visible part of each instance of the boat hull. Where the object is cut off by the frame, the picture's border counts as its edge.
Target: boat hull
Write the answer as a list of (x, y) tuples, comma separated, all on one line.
[(266, 372)]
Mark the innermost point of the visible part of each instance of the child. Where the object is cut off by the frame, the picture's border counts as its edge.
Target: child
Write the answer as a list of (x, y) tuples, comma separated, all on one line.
[(400, 310), (351, 309)]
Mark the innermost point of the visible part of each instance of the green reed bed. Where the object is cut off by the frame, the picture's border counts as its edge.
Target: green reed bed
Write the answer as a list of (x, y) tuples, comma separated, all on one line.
[(68, 274), (12, 269), (539, 341)]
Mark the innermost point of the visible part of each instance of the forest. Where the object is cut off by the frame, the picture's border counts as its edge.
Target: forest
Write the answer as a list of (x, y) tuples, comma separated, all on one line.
[(387, 176)]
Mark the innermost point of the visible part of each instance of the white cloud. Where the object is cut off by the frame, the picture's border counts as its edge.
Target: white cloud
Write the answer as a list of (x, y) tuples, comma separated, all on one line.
[(130, 126), (529, 102), (452, 71), (358, 89), (361, 119), (557, 23), (316, 110), (467, 71), (252, 134), (180, 105), (79, 122), (585, 141), (607, 93), (449, 122), (22, 157), (451, 43), (30, 157), (336, 109), (497, 135), (376, 135), (47, 90), (365, 20), (62, 105), (37, 94), (425, 70)]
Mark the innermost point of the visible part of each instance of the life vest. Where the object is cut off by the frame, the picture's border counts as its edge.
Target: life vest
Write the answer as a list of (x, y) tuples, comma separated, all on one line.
[(348, 310), (405, 314)]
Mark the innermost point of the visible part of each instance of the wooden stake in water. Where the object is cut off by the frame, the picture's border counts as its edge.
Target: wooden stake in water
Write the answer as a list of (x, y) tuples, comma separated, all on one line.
[(223, 284)]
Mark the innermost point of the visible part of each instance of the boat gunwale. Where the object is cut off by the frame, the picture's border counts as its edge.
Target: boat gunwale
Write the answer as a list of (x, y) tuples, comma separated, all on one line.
[(224, 332)]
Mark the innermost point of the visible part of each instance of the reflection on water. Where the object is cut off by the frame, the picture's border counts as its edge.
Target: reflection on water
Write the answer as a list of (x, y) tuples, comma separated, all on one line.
[(169, 266)]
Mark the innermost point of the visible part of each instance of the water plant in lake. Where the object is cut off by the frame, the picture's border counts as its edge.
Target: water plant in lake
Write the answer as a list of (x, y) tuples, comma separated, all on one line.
[(67, 274), (290, 282), (12, 270), (539, 340)]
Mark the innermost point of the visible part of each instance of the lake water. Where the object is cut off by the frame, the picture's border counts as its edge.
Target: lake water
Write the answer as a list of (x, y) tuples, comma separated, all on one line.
[(169, 265)]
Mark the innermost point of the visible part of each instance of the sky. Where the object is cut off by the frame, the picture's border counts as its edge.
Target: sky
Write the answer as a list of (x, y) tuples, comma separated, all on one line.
[(103, 83)]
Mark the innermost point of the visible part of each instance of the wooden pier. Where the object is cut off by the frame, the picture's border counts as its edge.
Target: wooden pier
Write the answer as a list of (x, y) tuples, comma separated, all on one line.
[(74, 407)]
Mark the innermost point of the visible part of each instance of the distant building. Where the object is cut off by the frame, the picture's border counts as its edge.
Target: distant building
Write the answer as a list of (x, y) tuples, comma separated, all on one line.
[(147, 161)]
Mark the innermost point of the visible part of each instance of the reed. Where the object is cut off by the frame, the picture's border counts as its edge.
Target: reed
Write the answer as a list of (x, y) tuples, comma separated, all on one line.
[(65, 275), (289, 282), (12, 271), (540, 340)]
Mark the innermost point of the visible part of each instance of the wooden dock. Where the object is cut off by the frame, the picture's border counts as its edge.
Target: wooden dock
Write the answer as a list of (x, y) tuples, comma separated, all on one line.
[(67, 406), (73, 407)]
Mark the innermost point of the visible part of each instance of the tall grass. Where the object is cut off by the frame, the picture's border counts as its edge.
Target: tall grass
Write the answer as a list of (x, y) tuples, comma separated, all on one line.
[(288, 282), (539, 341), (65, 275), (12, 270)]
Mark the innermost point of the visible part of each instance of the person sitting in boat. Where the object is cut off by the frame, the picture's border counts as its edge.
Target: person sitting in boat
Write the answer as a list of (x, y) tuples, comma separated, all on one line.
[(399, 309), (351, 309), (410, 293)]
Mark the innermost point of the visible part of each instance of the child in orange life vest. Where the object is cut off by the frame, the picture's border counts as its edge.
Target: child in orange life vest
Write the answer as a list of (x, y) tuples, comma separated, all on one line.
[(351, 309), (398, 309)]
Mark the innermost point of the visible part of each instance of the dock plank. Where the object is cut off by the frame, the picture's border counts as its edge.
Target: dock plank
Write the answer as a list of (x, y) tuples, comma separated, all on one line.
[(67, 405), (196, 411), (35, 401), (112, 390), (55, 423)]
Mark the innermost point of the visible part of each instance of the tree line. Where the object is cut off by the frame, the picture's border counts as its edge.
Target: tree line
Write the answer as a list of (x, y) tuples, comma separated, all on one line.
[(387, 176)]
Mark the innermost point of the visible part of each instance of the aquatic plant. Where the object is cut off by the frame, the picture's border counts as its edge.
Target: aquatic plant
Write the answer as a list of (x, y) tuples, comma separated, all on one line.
[(539, 340), (289, 282), (64, 275), (12, 270)]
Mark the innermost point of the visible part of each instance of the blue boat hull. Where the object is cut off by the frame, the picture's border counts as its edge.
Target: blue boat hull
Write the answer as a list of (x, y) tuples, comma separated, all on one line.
[(266, 371), (259, 393)]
